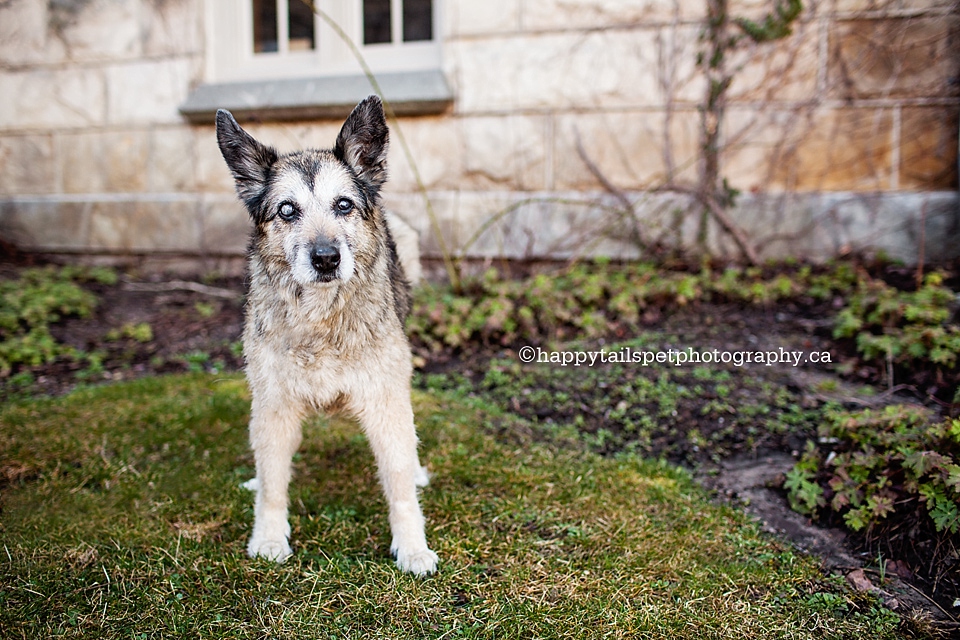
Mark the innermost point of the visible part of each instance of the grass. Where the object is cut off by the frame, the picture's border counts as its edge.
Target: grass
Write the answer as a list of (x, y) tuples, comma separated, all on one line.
[(122, 517)]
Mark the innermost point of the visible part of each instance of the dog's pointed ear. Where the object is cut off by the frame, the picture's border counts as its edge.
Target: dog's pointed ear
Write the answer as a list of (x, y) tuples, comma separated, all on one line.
[(249, 161), (362, 143)]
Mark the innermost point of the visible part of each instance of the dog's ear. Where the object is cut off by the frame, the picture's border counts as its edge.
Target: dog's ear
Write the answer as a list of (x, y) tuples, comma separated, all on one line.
[(249, 161), (362, 143)]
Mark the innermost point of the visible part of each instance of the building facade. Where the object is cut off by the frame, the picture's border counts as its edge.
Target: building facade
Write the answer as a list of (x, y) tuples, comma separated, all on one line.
[(525, 128)]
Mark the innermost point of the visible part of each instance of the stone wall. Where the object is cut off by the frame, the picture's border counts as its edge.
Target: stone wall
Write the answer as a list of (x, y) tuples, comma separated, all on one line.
[(575, 129)]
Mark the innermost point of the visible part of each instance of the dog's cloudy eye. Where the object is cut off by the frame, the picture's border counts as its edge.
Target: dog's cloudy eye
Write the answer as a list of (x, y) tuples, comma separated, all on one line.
[(287, 211), (344, 205)]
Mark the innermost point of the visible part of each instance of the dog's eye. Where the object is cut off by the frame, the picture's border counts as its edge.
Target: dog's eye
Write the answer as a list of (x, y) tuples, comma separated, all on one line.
[(344, 205), (288, 212)]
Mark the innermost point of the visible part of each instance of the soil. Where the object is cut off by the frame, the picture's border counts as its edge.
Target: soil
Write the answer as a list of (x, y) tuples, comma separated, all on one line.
[(197, 325)]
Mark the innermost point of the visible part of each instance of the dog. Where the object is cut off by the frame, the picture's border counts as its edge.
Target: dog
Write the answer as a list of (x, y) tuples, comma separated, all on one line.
[(324, 323)]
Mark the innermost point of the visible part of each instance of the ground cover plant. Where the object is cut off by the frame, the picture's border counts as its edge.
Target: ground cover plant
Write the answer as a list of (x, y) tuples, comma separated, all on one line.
[(123, 517), (891, 474), (33, 301)]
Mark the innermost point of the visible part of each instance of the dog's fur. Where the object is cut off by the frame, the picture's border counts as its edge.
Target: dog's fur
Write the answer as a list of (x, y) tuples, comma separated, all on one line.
[(324, 321)]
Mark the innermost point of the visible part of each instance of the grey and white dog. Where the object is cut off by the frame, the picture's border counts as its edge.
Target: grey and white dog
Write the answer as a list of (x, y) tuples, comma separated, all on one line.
[(324, 320)]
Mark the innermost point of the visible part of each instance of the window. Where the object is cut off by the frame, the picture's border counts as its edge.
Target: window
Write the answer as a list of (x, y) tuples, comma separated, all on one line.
[(277, 58)]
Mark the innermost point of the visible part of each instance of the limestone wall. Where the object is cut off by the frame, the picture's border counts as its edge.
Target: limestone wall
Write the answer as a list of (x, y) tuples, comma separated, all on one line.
[(842, 136)]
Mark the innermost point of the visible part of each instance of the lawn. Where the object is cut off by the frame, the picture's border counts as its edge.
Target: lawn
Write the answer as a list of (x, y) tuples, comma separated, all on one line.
[(123, 517)]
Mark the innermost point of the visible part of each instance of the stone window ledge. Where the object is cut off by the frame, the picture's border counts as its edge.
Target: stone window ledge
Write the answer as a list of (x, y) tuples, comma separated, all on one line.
[(409, 93)]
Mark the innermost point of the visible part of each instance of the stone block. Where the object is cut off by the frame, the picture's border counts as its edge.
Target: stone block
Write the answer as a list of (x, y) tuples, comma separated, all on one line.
[(104, 161), (212, 173), (172, 28), (820, 226), (436, 147), (468, 18), (292, 136), (226, 226), (508, 152), (149, 91), (755, 10), (412, 208), (484, 72), (27, 165), (45, 223), (845, 149), (632, 150), (591, 70), (25, 38), (892, 7), (46, 98), (784, 70), (141, 225), (585, 224), (598, 14), (171, 159), (530, 225), (909, 57), (98, 30), (928, 148)]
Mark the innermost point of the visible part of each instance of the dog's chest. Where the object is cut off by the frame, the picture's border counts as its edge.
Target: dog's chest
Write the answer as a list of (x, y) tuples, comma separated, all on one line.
[(308, 338)]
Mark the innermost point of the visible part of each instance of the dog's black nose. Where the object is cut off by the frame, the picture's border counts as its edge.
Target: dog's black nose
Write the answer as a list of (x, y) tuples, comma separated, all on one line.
[(325, 258)]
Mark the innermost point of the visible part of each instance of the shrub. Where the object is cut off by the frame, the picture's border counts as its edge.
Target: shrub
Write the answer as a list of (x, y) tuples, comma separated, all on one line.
[(870, 465)]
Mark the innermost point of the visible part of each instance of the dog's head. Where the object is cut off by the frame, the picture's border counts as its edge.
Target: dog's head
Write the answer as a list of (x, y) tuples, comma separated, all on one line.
[(313, 209)]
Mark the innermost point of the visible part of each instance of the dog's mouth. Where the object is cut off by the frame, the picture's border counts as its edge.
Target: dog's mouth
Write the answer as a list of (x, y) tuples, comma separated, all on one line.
[(325, 278)]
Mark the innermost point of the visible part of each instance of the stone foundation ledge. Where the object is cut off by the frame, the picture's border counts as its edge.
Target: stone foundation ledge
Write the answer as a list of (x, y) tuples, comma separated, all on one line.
[(211, 229)]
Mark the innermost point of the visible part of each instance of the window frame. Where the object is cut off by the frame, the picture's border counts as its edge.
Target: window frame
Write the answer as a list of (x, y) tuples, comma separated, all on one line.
[(230, 56), (321, 83)]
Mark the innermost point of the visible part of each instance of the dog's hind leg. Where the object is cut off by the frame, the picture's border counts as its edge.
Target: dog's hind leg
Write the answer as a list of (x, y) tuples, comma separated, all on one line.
[(275, 434), (386, 416)]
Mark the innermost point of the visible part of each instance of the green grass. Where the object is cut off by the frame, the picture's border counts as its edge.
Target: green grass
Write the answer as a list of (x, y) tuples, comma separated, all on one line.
[(122, 517)]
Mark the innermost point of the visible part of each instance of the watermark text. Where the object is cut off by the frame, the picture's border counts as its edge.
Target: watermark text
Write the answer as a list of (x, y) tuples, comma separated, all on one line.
[(673, 357)]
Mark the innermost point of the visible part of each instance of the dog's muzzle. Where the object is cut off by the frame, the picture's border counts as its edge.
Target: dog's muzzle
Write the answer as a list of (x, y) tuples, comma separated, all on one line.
[(325, 258)]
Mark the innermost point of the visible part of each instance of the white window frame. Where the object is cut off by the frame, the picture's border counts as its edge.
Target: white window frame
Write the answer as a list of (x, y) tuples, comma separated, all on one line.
[(230, 55)]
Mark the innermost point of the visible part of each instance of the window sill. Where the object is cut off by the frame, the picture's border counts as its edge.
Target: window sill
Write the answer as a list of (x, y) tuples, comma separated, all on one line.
[(409, 93)]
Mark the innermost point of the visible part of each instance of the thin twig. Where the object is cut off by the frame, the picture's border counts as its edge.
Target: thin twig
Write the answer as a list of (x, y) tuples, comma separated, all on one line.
[(932, 601), (182, 285), (398, 133), (738, 235), (612, 189)]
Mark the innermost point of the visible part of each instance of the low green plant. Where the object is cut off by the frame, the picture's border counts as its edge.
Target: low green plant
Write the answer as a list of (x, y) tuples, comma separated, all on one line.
[(205, 309), (874, 463), (910, 329), (140, 332), (34, 301), (592, 299), (196, 361)]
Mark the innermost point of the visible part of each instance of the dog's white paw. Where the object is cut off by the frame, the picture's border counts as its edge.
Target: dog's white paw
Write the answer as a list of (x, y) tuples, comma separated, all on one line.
[(419, 563), (276, 550), (253, 484), (422, 477)]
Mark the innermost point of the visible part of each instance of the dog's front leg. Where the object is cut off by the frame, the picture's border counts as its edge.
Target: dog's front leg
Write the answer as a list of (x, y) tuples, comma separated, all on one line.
[(275, 434), (387, 420)]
